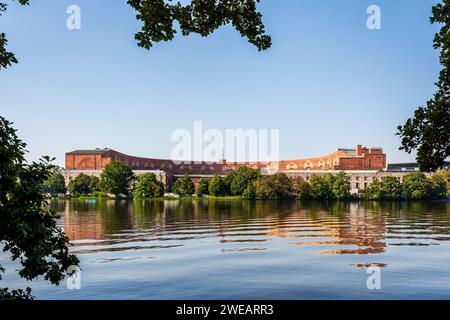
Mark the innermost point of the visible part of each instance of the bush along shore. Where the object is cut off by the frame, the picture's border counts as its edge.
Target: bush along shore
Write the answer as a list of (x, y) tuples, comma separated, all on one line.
[(117, 181)]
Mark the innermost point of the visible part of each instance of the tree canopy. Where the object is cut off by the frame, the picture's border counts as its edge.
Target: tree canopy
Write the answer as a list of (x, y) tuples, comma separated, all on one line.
[(415, 186), (341, 186), (428, 131), (203, 187), (274, 187), (300, 188), (321, 186), (184, 186), (241, 179), (148, 186), (83, 184), (218, 187), (199, 16), (117, 179)]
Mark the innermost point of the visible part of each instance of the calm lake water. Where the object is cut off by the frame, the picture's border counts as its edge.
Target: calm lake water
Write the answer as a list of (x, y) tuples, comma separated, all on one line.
[(252, 250)]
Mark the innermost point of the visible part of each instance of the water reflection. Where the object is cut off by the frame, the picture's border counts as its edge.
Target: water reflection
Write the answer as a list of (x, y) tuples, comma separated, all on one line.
[(336, 228)]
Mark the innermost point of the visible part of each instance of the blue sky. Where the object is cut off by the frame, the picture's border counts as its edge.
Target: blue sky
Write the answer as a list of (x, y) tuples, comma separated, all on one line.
[(327, 81)]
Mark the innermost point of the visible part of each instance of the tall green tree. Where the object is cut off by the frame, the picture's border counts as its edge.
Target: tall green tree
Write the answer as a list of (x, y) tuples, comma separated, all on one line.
[(82, 184), (439, 186), (446, 175), (341, 186), (117, 179), (322, 186), (250, 192), (95, 184), (428, 131), (159, 17), (28, 231), (274, 187), (148, 186), (218, 187), (203, 187), (390, 188), (184, 186), (242, 178), (228, 179)]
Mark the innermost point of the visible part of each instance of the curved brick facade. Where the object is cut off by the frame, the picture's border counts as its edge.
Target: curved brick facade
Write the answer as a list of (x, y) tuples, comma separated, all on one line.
[(360, 158)]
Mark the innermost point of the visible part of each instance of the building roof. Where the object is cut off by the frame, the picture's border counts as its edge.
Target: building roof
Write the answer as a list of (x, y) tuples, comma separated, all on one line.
[(410, 166), (89, 152), (399, 167)]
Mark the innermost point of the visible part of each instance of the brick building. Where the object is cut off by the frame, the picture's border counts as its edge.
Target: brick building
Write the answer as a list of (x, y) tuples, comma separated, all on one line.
[(359, 163), (360, 158)]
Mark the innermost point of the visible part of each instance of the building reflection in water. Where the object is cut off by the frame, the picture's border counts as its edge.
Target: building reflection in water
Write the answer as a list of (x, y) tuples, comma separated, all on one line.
[(340, 227)]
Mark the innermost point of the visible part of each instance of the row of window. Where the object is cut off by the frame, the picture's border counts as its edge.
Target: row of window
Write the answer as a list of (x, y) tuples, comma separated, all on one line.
[(356, 178)]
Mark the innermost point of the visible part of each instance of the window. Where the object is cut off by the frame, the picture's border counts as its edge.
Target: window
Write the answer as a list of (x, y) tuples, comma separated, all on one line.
[(357, 185), (357, 178)]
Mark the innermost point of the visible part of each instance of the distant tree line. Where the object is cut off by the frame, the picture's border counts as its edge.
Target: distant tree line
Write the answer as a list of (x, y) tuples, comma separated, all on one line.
[(116, 178), (414, 186), (247, 183)]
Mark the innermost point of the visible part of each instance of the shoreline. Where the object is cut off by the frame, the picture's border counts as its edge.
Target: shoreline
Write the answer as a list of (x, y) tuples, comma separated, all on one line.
[(238, 198)]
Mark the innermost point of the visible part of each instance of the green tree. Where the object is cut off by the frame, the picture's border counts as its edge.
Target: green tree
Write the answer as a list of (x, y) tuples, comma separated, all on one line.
[(428, 131), (416, 186), (95, 184), (439, 185), (274, 187), (300, 188), (184, 186), (28, 231), (55, 184), (148, 186), (373, 191), (446, 175), (218, 187), (159, 18), (390, 188), (203, 187), (321, 186), (80, 185), (199, 16), (249, 192), (228, 179), (243, 177), (341, 186), (117, 179)]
